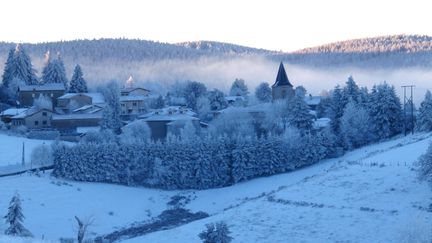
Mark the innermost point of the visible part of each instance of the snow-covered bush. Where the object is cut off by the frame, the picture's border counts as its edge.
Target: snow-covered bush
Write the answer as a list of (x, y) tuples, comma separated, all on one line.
[(136, 132), (425, 164), (216, 233), (42, 155), (43, 102)]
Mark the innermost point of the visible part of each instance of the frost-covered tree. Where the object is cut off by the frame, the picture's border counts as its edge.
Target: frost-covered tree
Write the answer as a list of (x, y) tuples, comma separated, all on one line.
[(111, 113), (41, 155), (216, 233), (336, 109), (263, 92), (43, 102), (300, 91), (136, 132), (78, 83), (233, 122), (15, 218), (425, 164), (355, 126), (157, 103), (188, 132), (424, 119), (203, 109), (192, 91), (385, 111), (351, 91), (55, 72), (239, 88), (299, 116), (217, 100), (18, 65)]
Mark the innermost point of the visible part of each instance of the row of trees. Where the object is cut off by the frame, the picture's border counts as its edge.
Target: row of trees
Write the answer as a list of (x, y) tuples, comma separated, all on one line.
[(19, 70)]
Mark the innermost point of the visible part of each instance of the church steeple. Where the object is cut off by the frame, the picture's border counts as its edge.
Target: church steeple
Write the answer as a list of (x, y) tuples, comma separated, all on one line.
[(282, 78)]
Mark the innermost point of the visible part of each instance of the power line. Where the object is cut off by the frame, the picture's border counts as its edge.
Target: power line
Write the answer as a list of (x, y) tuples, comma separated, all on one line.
[(408, 101)]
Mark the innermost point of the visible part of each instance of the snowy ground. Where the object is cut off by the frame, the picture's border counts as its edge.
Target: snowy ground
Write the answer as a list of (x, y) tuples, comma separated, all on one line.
[(369, 195), (11, 149)]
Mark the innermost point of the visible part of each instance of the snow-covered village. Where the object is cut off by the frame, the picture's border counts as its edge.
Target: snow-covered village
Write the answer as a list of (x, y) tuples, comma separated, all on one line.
[(191, 121)]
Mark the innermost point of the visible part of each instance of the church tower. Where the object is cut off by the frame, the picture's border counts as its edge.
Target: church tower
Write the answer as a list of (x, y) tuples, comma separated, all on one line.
[(282, 88)]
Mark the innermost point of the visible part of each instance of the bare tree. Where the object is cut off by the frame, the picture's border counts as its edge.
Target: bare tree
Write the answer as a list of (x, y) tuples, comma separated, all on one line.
[(82, 228)]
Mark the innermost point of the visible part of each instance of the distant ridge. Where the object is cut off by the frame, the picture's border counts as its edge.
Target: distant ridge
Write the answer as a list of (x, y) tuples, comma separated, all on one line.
[(392, 43)]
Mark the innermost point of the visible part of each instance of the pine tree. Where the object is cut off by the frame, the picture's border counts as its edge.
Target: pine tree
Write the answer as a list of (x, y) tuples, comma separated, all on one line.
[(15, 218), (299, 116), (18, 65), (385, 111), (424, 120), (78, 83), (216, 233), (350, 92), (8, 70), (111, 114), (239, 88), (263, 92), (158, 103), (336, 109), (55, 72)]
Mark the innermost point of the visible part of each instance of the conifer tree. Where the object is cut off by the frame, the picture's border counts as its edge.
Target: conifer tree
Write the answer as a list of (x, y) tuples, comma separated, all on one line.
[(78, 83), (18, 65), (299, 116), (55, 72), (385, 111), (424, 121), (336, 109), (111, 114), (15, 218)]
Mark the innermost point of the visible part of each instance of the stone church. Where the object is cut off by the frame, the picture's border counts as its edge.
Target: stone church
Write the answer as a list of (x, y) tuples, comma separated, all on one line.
[(282, 88)]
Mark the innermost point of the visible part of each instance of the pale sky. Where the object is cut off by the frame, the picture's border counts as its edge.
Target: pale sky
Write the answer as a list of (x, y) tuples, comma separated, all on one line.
[(271, 24)]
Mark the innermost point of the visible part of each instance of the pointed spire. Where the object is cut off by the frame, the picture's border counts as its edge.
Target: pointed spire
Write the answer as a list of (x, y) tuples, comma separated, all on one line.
[(130, 82), (282, 78)]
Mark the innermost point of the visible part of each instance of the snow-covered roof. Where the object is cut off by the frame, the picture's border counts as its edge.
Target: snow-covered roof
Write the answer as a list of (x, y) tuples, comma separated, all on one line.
[(29, 112), (13, 111), (89, 108), (253, 108), (130, 89), (42, 87), (322, 122), (170, 113), (77, 116), (97, 98), (312, 100), (132, 98)]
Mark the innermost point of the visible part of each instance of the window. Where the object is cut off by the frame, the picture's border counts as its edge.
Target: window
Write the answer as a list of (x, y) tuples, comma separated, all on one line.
[(44, 123), (123, 104), (134, 104), (52, 95), (36, 123), (44, 113), (33, 95)]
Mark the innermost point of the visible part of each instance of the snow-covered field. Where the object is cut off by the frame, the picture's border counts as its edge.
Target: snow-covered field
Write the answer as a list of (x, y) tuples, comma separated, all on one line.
[(11, 149), (369, 195)]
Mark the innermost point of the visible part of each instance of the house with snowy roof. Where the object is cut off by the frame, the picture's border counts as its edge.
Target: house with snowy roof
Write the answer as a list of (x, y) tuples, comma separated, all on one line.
[(28, 93), (7, 114), (33, 118), (71, 101), (169, 120)]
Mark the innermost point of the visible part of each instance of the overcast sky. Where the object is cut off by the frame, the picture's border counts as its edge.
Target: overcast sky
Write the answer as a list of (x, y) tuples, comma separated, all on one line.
[(271, 24)]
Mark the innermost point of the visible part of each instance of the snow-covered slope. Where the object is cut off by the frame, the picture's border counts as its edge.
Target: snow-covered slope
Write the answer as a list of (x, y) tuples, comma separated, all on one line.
[(368, 195), (11, 149)]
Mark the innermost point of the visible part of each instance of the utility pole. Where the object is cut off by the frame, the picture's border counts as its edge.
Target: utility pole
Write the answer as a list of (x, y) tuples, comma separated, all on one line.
[(23, 156), (408, 101)]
